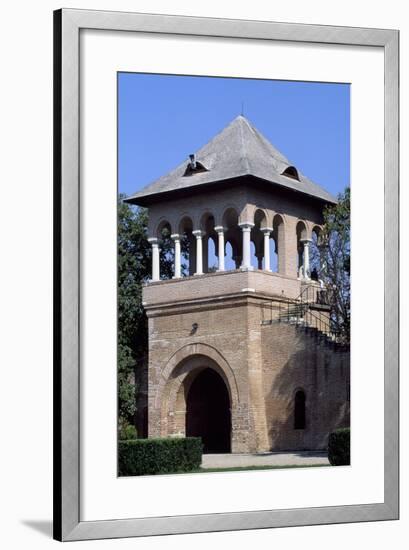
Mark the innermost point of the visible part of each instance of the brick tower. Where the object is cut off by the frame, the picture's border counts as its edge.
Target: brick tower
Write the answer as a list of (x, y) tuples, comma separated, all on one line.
[(240, 347)]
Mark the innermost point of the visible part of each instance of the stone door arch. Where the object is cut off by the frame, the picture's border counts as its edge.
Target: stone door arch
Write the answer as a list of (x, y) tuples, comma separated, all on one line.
[(169, 400)]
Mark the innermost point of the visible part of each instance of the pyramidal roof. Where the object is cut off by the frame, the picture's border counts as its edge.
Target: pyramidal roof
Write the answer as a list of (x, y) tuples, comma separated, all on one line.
[(239, 150)]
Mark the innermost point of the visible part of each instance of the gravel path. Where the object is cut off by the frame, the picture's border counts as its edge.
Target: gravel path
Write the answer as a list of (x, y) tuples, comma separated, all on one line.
[(299, 458)]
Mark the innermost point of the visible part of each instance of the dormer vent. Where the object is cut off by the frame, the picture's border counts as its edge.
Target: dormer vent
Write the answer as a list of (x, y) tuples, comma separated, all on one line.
[(194, 166), (291, 172)]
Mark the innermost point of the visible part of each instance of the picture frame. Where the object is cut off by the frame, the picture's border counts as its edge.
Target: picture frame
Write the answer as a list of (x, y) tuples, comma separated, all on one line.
[(68, 24)]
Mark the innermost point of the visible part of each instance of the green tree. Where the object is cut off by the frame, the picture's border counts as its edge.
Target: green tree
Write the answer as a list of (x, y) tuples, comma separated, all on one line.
[(333, 256), (134, 267)]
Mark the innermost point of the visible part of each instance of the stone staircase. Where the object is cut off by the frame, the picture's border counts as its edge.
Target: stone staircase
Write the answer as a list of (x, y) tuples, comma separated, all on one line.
[(305, 314)]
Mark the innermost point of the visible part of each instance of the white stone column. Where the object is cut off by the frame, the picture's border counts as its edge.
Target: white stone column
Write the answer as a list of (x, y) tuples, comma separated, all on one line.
[(155, 259), (246, 229), (176, 239), (266, 232), (306, 258), (199, 253), (220, 234)]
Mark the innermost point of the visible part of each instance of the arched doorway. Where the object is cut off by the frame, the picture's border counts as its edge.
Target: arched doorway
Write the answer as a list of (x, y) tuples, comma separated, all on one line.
[(208, 412)]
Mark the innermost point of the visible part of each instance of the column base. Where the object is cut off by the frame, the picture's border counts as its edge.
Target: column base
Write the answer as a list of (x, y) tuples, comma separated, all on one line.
[(246, 268)]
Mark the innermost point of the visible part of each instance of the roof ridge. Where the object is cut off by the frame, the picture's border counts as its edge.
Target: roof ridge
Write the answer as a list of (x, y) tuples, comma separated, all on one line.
[(243, 148)]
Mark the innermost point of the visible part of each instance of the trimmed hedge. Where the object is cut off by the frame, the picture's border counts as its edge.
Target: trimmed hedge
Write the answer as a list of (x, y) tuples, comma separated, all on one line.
[(159, 456), (339, 447)]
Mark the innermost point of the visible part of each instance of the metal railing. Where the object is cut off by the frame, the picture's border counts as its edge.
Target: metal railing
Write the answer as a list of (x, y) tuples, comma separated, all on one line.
[(299, 312)]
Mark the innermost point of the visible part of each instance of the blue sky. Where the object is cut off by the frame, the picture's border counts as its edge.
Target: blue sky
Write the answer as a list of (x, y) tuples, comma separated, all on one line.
[(163, 118)]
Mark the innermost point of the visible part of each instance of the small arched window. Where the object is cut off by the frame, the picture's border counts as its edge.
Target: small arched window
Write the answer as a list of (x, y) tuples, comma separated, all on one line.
[(299, 410), (194, 166), (291, 172)]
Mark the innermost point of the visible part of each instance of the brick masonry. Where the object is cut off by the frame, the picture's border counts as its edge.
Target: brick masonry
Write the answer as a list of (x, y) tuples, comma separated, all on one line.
[(262, 364)]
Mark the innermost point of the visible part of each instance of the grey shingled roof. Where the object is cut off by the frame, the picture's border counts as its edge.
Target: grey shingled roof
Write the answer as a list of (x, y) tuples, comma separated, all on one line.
[(238, 150)]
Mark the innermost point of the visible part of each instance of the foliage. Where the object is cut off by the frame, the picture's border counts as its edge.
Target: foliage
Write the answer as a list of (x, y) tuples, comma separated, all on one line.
[(159, 456), (339, 447), (127, 431), (333, 262), (134, 267)]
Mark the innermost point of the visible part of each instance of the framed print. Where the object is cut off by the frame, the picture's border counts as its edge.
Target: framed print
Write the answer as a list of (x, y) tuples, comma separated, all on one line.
[(226, 288)]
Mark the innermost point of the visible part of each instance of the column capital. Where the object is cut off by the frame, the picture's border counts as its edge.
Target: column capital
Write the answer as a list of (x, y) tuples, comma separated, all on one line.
[(266, 230), (175, 237), (246, 225), (306, 241), (153, 241), (198, 233), (220, 229)]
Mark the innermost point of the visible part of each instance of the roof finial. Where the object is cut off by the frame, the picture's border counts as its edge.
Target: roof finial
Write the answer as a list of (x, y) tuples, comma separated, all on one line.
[(242, 108)]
